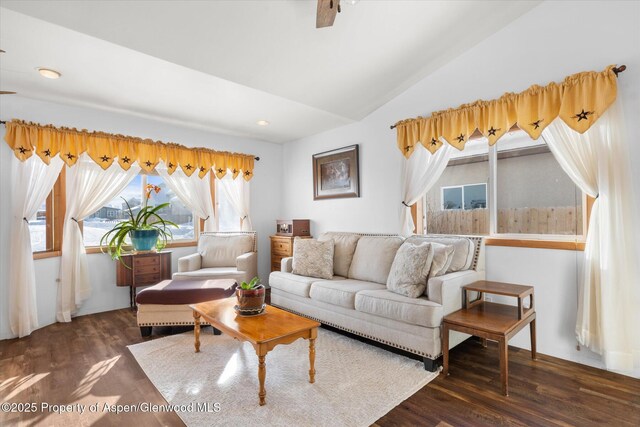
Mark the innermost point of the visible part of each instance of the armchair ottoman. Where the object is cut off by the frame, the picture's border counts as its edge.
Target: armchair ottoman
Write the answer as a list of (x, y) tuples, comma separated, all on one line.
[(167, 303)]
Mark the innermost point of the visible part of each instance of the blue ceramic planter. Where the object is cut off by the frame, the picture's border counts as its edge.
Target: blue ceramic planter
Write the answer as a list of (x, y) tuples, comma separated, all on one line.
[(143, 240)]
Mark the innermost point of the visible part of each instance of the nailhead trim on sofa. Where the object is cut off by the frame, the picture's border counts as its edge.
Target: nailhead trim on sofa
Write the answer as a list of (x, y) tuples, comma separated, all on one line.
[(409, 350)]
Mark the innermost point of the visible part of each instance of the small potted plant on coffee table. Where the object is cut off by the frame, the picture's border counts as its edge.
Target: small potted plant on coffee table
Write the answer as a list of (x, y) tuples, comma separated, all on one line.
[(250, 298)]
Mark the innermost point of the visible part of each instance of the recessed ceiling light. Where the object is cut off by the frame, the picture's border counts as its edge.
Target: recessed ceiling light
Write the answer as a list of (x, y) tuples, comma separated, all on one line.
[(263, 123), (49, 73)]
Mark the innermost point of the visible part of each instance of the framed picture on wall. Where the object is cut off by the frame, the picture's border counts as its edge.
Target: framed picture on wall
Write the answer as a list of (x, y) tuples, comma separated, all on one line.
[(335, 174)]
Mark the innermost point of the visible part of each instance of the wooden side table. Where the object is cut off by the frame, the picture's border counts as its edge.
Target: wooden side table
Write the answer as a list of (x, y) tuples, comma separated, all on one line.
[(488, 320), (281, 247), (142, 269)]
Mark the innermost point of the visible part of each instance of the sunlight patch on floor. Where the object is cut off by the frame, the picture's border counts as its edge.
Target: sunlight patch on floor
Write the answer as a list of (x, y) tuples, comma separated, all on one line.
[(230, 369), (18, 385), (93, 376)]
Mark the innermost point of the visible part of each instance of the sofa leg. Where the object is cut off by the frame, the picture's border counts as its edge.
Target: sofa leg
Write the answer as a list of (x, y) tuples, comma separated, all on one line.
[(430, 364), (145, 331), (216, 331)]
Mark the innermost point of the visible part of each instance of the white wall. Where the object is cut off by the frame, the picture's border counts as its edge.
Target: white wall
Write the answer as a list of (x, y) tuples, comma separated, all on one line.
[(265, 203), (552, 41)]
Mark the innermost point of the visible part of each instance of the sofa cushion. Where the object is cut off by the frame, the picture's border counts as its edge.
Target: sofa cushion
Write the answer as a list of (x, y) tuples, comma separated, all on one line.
[(415, 311), (210, 273), (313, 258), (222, 250), (410, 268), (442, 257), (344, 247), (373, 258), (341, 292), (463, 249), (294, 284)]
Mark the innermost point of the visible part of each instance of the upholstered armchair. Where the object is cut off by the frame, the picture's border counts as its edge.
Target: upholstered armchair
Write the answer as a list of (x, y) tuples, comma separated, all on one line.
[(221, 255)]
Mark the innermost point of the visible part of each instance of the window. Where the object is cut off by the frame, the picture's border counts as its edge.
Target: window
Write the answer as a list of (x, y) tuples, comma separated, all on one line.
[(226, 215), (533, 197), (176, 212), (39, 229), (471, 196), (46, 225), (96, 225), (533, 194), (457, 203)]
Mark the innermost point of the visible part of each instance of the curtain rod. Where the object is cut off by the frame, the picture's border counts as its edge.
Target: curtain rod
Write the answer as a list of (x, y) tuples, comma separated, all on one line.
[(616, 70), (3, 122)]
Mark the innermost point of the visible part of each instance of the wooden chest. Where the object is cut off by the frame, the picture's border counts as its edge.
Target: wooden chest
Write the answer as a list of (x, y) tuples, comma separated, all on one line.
[(144, 269)]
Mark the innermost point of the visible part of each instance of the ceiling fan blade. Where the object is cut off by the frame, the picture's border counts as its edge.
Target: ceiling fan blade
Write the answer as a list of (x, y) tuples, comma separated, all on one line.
[(327, 10), (4, 92)]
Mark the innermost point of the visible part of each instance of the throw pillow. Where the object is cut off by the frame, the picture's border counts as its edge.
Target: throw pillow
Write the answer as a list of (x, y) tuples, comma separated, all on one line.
[(313, 258), (410, 268), (462, 249), (345, 246), (442, 257), (373, 258)]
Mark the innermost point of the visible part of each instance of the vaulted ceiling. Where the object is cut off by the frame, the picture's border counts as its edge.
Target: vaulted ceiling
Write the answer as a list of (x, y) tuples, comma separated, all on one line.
[(223, 65)]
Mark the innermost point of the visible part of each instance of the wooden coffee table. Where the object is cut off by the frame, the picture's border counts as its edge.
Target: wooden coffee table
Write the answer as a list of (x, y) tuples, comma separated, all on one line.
[(264, 331)]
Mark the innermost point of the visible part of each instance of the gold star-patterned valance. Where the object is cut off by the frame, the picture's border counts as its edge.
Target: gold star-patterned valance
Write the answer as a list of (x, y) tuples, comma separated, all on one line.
[(104, 148), (579, 101)]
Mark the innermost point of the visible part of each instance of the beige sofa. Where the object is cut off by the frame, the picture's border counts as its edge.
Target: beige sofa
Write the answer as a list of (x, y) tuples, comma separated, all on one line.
[(221, 255), (356, 299)]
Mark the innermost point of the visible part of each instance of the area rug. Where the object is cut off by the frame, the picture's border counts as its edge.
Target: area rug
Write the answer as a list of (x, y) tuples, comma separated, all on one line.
[(355, 385)]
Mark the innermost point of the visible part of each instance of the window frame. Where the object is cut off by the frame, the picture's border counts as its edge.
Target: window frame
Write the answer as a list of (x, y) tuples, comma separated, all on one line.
[(542, 241), (212, 187), (56, 206), (198, 226)]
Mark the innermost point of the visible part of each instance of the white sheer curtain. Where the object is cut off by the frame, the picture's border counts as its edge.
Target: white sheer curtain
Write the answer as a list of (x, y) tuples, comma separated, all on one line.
[(237, 191), (194, 192), (89, 188), (419, 173), (33, 181), (609, 297)]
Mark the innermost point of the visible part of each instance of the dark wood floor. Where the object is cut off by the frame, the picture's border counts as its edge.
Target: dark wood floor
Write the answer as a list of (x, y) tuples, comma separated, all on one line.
[(87, 362)]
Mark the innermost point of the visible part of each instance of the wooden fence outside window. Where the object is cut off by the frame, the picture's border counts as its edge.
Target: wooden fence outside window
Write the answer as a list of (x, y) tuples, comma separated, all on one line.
[(565, 220)]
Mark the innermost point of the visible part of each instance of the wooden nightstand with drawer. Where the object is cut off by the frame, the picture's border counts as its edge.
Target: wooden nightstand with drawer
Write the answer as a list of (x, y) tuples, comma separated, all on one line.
[(143, 269), (281, 247)]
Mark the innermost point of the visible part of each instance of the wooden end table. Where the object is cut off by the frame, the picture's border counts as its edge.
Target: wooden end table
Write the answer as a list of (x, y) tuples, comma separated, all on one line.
[(264, 331), (488, 320), (142, 269)]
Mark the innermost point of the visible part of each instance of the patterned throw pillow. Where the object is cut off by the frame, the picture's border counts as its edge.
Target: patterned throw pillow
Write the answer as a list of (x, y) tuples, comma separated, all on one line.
[(410, 268), (313, 258)]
